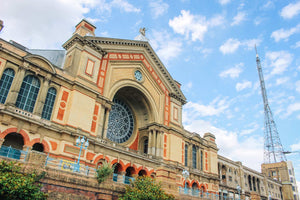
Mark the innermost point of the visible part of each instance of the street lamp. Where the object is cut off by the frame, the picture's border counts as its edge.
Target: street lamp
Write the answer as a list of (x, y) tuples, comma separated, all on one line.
[(80, 142), (185, 175), (238, 187)]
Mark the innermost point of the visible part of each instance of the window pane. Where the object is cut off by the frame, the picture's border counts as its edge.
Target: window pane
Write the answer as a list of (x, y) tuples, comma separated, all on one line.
[(28, 93), (48, 107), (5, 83)]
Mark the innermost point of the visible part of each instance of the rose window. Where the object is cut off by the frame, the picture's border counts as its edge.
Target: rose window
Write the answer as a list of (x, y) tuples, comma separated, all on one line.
[(120, 123)]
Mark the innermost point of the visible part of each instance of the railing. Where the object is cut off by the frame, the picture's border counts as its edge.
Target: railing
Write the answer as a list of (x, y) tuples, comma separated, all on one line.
[(67, 165), (13, 153), (198, 193), (122, 179)]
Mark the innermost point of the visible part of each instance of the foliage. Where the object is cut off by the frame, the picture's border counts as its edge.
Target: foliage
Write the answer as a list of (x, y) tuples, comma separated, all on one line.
[(104, 172), (145, 188), (17, 185)]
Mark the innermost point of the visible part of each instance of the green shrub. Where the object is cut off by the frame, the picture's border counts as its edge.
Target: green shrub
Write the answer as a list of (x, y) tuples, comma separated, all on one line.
[(104, 172)]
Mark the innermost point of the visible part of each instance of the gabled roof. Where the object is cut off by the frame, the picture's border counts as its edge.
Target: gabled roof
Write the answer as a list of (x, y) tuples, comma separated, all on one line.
[(96, 42)]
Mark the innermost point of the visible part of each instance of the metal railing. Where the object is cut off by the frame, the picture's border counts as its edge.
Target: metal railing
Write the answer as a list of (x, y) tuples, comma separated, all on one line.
[(198, 193), (13, 153), (67, 165), (122, 179)]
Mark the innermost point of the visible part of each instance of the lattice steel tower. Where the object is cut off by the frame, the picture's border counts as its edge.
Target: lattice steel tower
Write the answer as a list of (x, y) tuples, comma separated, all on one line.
[(273, 150)]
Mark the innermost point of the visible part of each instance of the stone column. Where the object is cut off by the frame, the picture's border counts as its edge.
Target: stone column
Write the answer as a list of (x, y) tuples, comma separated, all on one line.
[(150, 142), (101, 122), (42, 97), (154, 142), (16, 85), (106, 124), (162, 144)]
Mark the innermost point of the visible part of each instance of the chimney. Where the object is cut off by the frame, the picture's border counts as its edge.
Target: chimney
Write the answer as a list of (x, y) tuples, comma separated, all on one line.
[(85, 28)]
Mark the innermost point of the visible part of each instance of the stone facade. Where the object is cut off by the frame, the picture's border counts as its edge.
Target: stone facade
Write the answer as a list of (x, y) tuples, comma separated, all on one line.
[(118, 95)]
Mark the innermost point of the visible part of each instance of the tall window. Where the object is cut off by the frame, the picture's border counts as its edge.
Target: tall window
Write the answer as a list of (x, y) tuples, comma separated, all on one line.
[(28, 93), (194, 157), (146, 146), (48, 107), (5, 83), (201, 161), (185, 155)]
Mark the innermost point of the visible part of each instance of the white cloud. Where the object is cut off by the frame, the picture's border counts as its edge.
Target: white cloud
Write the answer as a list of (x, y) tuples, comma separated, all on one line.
[(187, 87), (282, 80), (124, 5), (249, 150), (223, 2), (293, 108), (297, 84), (290, 10), (254, 126), (297, 45), (283, 34), (193, 26), (233, 72), (279, 61), (241, 16), (165, 46), (158, 8), (241, 86), (295, 147), (230, 46), (36, 27)]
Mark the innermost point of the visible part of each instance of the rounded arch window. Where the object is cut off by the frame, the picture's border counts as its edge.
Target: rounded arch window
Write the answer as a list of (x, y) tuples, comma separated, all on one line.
[(121, 122), (38, 147)]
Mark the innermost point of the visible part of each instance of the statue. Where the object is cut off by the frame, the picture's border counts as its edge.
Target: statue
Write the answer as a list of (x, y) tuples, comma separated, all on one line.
[(143, 31)]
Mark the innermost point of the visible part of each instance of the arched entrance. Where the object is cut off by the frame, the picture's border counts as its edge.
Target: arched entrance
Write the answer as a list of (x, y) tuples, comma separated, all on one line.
[(117, 171), (38, 147), (142, 173), (130, 111), (12, 145), (129, 175)]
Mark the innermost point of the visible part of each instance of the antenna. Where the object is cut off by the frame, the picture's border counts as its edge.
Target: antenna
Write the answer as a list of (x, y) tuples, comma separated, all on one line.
[(273, 150)]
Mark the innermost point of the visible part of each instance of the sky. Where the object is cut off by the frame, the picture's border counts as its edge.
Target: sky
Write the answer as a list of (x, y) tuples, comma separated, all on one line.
[(207, 46)]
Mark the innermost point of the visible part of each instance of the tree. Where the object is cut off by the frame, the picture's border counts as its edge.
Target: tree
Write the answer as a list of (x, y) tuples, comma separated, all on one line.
[(103, 172), (145, 188), (17, 185)]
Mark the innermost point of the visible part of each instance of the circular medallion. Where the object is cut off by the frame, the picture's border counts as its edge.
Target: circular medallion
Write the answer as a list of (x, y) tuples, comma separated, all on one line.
[(120, 123), (138, 75)]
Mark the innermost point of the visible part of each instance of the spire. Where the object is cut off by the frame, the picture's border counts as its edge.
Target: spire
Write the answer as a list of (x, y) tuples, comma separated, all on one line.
[(273, 150)]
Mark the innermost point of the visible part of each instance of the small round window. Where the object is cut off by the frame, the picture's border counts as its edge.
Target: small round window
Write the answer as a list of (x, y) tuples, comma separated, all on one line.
[(138, 75), (120, 123)]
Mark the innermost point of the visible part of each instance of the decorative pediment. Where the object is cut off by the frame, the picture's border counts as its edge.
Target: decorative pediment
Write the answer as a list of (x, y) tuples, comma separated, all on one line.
[(41, 62)]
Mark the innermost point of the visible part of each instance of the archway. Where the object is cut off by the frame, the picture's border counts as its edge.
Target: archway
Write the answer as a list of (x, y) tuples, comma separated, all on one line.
[(130, 171), (130, 111), (195, 191), (142, 172), (38, 147), (12, 145), (118, 169)]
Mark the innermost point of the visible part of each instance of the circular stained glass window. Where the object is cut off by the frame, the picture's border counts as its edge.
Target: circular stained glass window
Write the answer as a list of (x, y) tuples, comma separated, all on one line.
[(120, 123)]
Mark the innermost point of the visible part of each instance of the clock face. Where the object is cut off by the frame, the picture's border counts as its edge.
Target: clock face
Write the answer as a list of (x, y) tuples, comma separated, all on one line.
[(138, 75)]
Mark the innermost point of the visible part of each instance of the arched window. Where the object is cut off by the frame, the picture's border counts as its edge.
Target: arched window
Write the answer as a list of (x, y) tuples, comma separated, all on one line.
[(38, 147), (185, 155), (49, 102), (145, 150), (201, 161), (28, 93), (194, 157), (5, 83)]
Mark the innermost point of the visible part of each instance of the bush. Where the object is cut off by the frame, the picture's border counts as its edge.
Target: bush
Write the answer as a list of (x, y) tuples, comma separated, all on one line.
[(145, 188), (17, 185), (104, 172)]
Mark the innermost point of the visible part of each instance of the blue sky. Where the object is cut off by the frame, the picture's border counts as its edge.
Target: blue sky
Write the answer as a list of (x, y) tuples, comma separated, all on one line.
[(208, 46)]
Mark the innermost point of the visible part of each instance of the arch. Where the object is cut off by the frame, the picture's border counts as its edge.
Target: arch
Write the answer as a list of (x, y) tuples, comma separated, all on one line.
[(153, 175), (130, 83), (130, 171), (44, 143), (119, 162), (12, 145), (41, 61), (38, 147), (99, 157), (142, 172), (12, 130), (118, 168), (145, 168), (202, 187)]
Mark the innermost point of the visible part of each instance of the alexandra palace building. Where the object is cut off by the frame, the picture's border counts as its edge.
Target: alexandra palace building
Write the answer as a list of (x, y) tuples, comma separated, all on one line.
[(117, 95)]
